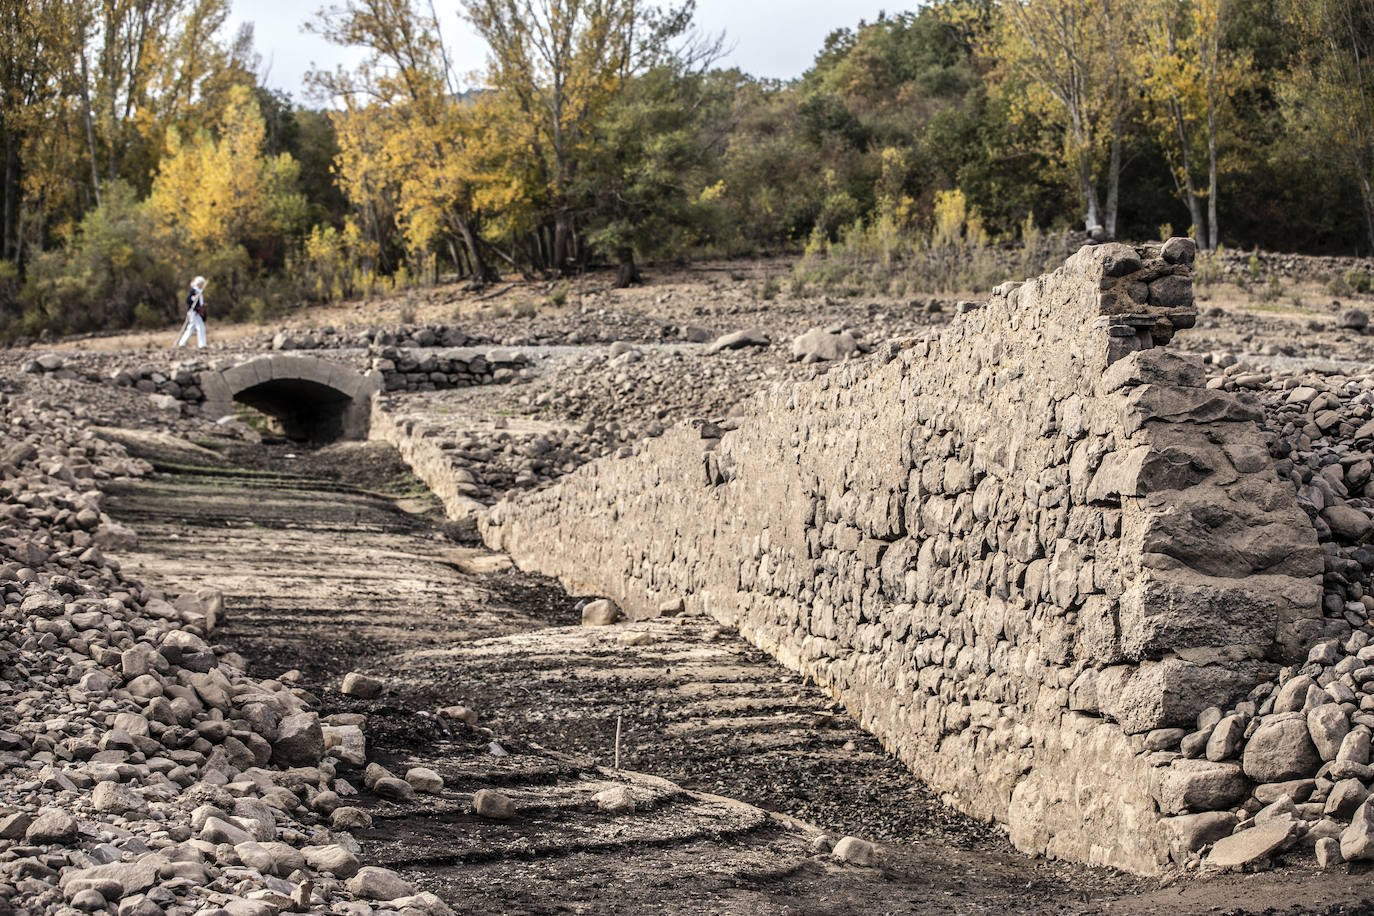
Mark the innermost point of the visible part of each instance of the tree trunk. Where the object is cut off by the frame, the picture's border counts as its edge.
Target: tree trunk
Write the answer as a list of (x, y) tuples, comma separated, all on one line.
[(7, 243), (90, 130), (1367, 197), (627, 272), (1213, 234), (483, 271), (562, 227), (1113, 181), (1087, 189), (453, 255)]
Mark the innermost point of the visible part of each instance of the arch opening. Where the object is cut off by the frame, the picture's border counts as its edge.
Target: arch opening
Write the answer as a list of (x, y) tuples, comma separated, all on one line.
[(300, 409)]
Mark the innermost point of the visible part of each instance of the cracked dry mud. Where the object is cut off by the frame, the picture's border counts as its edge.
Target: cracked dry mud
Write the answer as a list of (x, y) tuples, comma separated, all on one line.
[(330, 562)]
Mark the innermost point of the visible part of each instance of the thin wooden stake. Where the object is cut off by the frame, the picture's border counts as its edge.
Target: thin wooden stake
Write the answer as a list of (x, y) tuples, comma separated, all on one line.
[(617, 742)]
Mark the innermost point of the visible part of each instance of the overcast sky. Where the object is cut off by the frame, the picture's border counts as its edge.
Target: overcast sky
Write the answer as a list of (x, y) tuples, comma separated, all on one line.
[(770, 38)]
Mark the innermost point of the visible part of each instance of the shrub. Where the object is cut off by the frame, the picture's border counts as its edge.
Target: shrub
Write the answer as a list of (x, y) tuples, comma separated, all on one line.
[(114, 261), (147, 318), (1271, 291), (1207, 268), (1359, 281), (559, 296), (1338, 286)]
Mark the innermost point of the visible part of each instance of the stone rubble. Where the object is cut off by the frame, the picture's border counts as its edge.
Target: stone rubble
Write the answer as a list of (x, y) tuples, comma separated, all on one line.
[(1288, 767), (141, 770)]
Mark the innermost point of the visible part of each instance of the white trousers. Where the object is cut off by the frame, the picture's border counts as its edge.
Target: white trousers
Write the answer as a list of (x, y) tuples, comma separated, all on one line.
[(193, 323)]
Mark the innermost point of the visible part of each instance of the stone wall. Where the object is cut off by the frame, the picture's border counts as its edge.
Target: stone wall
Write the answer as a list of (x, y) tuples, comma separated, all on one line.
[(1013, 550), (439, 370)]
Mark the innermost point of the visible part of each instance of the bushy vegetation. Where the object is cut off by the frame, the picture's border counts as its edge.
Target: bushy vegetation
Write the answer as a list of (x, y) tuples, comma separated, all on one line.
[(936, 150)]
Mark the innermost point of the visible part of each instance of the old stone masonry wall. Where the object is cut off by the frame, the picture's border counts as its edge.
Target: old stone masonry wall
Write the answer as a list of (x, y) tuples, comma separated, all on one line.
[(1016, 551)]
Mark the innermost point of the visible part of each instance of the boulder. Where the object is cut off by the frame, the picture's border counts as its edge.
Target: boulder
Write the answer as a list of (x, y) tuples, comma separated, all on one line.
[(1353, 319), (112, 536), (373, 883), (1281, 748), (129, 877), (615, 800), (1255, 843), (1200, 785), (1328, 725), (423, 779), (492, 804), (600, 613), (51, 826), (1347, 524), (390, 787), (333, 859), (218, 830), (300, 741), (754, 337), (362, 686), (1190, 832), (1345, 798), (1227, 738), (1179, 250), (115, 798), (820, 344), (855, 851)]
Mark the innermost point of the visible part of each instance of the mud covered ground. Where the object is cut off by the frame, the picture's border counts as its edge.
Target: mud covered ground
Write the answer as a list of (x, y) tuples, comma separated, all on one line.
[(331, 562)]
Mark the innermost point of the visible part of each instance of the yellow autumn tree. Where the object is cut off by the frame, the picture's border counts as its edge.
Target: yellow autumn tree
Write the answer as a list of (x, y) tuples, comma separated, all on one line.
[(220, 197), (401, 135), (1067, 63), (1190, 78)]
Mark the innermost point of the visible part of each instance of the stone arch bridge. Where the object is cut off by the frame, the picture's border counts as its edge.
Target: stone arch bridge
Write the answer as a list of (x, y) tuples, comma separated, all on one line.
[(312, 399)]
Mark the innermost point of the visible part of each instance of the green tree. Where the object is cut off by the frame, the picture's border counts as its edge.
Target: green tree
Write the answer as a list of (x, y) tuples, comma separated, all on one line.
[(223, 197), (564, 62), (1191, 75), (1329, 97), (636, 189), (113, 265)]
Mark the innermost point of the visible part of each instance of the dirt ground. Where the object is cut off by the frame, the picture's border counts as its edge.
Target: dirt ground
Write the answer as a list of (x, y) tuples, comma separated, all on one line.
[(330, 564)]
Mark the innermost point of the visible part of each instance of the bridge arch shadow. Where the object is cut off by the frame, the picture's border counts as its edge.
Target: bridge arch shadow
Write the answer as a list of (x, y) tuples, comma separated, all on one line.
[(312, 400)]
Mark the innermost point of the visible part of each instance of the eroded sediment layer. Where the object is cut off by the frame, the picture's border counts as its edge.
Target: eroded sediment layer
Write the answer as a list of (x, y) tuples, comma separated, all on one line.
[(1012, 550)]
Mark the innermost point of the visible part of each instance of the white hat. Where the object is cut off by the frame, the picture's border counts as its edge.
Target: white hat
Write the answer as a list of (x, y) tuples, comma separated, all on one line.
[(198, 283)]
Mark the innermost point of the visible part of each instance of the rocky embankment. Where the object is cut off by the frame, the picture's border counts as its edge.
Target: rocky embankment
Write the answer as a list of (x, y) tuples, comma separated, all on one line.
[(139, 765)]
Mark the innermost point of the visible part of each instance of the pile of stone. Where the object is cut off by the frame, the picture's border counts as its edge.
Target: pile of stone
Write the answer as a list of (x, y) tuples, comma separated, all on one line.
[(171, 387), (438, 370), (592, 325), (1289, 766), (181, 382), (140, 767), (645, 387), (824, 344), (48, 364), (405, 335), (1256, 266)]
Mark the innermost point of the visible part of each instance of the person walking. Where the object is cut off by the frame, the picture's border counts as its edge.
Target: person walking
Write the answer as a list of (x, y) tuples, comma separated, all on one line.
[(195, 314)]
